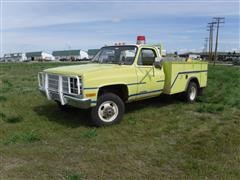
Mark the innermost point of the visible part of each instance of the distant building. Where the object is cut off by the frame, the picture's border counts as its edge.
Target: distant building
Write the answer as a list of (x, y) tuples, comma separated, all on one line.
[(70, 55), (92, 52), (191, 55), (221, 56), (14, 57), (39, 56), (228, 56)]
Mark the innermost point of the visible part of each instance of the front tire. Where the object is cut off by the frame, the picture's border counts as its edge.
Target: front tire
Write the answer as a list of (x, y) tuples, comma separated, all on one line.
[(109, 110), (192, 92)]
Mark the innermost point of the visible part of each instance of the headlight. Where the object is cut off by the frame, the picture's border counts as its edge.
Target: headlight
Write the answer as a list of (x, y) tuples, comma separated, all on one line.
[(41, 79), (72, 85)]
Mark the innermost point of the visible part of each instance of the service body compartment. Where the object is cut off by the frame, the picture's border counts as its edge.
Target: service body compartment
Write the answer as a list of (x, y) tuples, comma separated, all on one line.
[(179, 73)]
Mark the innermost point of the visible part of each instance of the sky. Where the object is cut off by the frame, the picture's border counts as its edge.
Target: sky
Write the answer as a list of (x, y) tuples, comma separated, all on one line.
[(180, 25)]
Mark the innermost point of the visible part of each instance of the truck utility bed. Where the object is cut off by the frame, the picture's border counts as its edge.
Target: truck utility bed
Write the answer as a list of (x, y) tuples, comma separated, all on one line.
[(179, 73)]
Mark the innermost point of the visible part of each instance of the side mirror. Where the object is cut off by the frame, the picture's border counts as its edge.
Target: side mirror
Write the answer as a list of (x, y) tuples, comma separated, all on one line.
[(158, 62)]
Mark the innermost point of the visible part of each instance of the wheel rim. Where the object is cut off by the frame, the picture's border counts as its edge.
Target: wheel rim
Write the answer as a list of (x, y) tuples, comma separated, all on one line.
[(108, 111), (193, 93)]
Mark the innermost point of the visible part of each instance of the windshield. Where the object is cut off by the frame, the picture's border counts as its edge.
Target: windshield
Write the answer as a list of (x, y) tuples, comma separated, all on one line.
[(116, 55)]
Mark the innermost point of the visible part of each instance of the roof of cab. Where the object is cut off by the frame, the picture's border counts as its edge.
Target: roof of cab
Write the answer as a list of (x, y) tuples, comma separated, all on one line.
[(138, 45)]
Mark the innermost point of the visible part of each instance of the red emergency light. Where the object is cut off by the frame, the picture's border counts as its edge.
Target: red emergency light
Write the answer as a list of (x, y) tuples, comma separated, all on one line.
[(141, 40)]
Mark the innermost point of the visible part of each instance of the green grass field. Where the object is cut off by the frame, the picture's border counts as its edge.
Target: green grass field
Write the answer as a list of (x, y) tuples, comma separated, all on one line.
[(160, 138)]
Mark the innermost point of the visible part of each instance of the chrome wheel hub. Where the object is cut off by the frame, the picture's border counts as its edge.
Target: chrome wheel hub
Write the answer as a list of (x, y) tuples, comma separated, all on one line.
[(193, 93), (108, 111)]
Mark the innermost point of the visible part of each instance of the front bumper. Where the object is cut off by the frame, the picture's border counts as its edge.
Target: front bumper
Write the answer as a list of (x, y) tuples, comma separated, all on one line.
[(65, 99)]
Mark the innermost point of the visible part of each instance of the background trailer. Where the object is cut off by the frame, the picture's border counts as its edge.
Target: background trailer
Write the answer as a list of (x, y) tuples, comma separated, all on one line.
[(70, 55), (14, 57), (39, 56)]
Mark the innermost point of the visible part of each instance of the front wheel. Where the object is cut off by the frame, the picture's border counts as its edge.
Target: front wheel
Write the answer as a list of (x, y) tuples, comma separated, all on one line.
[(109, 110), (192, 92)]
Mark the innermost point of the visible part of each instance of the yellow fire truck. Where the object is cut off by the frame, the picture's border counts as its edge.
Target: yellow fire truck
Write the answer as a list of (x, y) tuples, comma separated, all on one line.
[(121, 74)]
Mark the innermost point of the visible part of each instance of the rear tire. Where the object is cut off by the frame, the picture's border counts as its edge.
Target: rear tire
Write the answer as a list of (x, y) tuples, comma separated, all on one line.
[(191, 93), (109, 110)]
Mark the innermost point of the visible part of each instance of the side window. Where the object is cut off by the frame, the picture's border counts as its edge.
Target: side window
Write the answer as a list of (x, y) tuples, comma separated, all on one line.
[(147, 57)]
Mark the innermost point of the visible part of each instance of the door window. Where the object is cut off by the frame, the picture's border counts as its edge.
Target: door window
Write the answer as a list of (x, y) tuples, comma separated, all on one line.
[(147, 57)]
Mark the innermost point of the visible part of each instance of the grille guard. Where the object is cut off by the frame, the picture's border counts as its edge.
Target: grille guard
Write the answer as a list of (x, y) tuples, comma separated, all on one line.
[(44, 86)]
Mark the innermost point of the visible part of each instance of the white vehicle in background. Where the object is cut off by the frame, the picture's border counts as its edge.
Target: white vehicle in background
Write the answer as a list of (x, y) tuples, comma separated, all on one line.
[(194, 56), (14, 57)]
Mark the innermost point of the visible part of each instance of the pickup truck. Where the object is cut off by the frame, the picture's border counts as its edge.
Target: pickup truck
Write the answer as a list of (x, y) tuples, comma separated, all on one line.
[(121, 74)]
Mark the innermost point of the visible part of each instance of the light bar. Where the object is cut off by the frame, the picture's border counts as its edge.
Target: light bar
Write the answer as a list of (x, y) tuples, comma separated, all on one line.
[(141, 40)]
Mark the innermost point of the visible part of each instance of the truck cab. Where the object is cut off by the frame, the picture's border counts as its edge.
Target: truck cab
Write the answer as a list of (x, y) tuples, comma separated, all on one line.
[(121, 74)]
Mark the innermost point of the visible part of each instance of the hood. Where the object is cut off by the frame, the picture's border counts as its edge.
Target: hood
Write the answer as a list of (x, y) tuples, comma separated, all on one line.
[(79, 70)]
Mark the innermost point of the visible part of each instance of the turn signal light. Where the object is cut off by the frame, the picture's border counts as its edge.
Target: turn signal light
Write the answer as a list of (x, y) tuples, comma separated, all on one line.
[(91, 95)]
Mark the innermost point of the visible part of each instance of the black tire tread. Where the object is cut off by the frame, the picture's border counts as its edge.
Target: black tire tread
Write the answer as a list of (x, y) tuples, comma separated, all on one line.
[(104, 97), (187, 93)]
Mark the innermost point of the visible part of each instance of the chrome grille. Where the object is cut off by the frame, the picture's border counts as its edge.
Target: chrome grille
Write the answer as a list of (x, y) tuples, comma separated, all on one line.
[(65, 84), (68, 85), (73, 85), (53, 82), (54, 95)]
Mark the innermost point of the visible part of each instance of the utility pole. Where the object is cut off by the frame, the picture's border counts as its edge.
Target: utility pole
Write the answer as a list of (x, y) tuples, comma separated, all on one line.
[(205, 48), (218, 21), (210, 29)]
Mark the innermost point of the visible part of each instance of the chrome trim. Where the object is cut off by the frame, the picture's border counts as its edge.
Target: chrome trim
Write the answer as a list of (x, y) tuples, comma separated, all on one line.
[(60, 95), (60, 89), (73, 101), (60, 84), (80, 103), (46, 87), (40, 79)]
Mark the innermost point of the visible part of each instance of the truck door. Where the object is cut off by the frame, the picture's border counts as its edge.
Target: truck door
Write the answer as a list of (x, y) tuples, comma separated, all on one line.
[(150, 79)]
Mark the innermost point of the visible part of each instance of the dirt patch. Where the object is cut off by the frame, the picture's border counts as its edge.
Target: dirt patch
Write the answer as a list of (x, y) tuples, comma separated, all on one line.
[(8, 164)]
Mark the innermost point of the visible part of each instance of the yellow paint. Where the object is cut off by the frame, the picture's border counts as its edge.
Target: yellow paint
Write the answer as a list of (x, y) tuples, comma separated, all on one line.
[(189, 60), (178, 73)]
